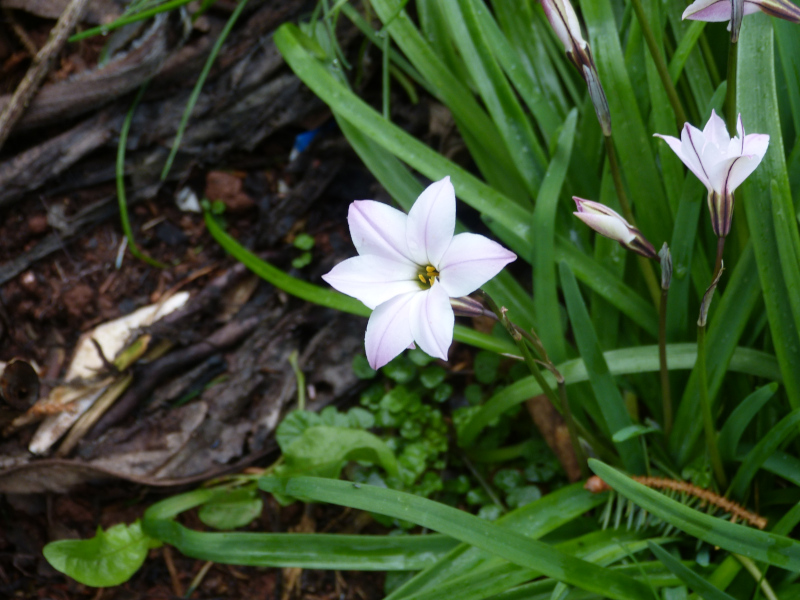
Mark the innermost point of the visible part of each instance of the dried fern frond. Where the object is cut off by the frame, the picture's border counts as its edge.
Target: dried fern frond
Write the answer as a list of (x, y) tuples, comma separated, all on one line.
[(682, 491)]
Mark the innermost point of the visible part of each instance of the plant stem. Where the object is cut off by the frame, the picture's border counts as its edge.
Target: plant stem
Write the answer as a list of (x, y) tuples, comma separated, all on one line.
[(730, 93), (661, 65), (705, 405), (644, 264), (573, 430), (666, 397), (718, 263)]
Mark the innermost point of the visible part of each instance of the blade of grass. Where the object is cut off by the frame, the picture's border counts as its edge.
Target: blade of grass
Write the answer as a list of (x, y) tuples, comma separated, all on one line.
[(689, 577), (766, 447), (757, 97), (502, 542), (515, 128), (120, 177), (735, 425), (545, 300), (198, 86), (534, 520), (127, 20)]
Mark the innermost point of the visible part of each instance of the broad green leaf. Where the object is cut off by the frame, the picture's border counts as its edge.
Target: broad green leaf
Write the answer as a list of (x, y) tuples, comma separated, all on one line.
[(788, 44), (306, 551), (785, 429), (641, 359), (545, 300), (609, 399), (692, 579), (733, 429), (109, 558), (756, 95), (759, 545), (787, 239), (502, 542), (232, 510), (323, 450)]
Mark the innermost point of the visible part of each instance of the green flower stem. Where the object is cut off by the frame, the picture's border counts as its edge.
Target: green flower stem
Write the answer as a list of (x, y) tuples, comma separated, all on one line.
[(666, 397), (730, 93), (661, 65), (572, 429), (644, 264), (752, 568), (718, 263), (708, 55), (705, 405), (560, 402)]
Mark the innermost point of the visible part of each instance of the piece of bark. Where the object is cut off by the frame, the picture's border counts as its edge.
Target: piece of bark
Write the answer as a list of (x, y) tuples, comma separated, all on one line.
[(554, 431)]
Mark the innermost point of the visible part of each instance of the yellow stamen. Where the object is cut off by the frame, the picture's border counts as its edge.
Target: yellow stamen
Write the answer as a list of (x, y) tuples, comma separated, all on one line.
[(422, 279), (430, 269)]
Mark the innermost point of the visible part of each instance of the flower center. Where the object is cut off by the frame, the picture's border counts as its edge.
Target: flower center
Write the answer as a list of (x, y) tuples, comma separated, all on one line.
[(429, 275)]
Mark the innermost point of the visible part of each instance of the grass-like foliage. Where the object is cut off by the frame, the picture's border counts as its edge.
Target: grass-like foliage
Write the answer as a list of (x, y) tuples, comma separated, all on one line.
[(701, 458)]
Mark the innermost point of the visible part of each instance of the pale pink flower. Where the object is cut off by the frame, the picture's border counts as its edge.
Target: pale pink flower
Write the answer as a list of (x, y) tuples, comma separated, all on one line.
[(408, 268), (722, 163), (720, 10)]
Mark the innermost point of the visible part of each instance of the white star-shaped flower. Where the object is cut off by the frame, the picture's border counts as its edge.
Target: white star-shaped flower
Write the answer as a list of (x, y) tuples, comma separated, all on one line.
[(408, 268)]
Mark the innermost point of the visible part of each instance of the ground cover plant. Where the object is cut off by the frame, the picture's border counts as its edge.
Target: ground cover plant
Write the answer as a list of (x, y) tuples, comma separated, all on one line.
[(667, 342)]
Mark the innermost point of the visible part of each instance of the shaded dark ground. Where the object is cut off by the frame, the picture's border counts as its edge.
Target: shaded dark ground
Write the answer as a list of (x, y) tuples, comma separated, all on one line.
[(60, 237)]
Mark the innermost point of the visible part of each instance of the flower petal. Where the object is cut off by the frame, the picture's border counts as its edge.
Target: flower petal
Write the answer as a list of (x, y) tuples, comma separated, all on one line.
[(389, 329), (431, 223), (432, 321), (469, 262), (708, 10), (378, 229), (610, 227), (741, 169), (715, 131), (373, 279), (692, 142)]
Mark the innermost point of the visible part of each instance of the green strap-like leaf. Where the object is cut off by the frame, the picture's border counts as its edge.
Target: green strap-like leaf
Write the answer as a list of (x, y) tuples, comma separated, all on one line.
[(692, 579), (783, 430), (545, 300), (737, 422), (759, 545), (533, 520), (757, 96), (505, 543), (641, 359), (605, 389)]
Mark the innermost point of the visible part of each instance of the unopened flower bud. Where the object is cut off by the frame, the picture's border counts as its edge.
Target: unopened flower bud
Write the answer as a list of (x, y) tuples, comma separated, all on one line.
[(705, 303), (612, 225), (464, 306), (565, 23)]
